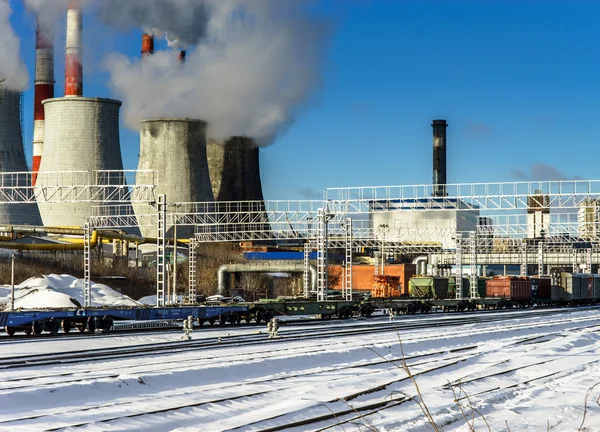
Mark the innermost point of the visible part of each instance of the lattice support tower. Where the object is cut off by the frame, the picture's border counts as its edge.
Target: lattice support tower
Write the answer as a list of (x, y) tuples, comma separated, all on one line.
[(306, 274), (575, 260), (347, 287), (192, 271), (541, 258), (523, 269), (161, 250), (588, 260), (322, 265), (459, 251), (473, 282), (87, 266)]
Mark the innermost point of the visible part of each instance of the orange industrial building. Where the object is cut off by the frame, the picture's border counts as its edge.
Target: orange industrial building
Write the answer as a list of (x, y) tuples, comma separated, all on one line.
[(363, 276)]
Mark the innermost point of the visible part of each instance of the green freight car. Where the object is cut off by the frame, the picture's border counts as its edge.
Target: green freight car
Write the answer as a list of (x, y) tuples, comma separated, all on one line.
[(466, 287), (428, 287)]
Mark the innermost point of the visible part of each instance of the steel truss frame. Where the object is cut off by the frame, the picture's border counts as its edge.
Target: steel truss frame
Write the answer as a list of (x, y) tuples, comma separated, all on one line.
[(78, 186)]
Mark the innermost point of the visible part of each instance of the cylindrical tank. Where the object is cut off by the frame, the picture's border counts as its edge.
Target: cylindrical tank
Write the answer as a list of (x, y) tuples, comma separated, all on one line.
[(12, 159), (176, 149), (81, 134), (234, 169)]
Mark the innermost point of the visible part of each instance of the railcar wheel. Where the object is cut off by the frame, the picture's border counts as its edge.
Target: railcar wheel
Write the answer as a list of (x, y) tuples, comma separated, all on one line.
[(211, 321), (36, 328), (91, 324), (222, 319), (200, 322), (53, 327), (66, 326), (10, 331), (28, 332), (248, 319)]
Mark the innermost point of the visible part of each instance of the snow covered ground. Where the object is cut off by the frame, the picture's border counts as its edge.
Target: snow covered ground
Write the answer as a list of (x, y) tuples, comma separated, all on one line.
[(531, 371)]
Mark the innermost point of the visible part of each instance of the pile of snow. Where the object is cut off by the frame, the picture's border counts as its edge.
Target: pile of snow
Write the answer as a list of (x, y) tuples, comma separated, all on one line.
[(61, 291)]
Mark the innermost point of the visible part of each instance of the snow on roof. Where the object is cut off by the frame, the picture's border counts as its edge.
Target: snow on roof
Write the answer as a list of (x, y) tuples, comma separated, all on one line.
[(61, 291)]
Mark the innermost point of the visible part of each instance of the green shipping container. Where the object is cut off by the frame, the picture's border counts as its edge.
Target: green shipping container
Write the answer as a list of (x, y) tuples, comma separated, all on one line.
[(429, 287), (466, 287)]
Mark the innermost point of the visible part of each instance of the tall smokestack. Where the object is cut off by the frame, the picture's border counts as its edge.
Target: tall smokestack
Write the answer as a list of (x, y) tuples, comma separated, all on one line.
[(182, 55), (147, 45), (44, 89), (439, 157), (74, 69)]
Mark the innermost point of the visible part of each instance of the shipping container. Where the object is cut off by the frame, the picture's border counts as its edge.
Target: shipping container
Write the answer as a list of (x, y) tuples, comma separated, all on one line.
[(429, 287), (509, 287), (541, 288), (466, 287), (596, 286), (568, 287), (362, 275)]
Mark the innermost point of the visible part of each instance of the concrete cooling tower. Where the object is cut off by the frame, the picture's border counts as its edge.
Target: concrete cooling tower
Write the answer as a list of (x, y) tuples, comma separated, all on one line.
[(12, 159), (81, 134), (176, 148), (234, 169)]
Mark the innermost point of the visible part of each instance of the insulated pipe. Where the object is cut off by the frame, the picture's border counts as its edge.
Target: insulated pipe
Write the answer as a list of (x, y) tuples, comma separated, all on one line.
[(264, 267), (421, 263), (44, 89), (73, 67), (439, 158), (50, 247)]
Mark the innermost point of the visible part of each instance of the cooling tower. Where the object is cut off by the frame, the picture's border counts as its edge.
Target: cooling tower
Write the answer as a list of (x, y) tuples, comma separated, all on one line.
[(81, 134), (176, 148), (12, 159), (234, 169)]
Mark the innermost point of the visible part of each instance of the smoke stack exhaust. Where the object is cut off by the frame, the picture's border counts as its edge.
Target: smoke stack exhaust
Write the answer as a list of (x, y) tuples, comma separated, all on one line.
[(147, 45), (439, 157), (74, 68), (182, 55), (44, 89)]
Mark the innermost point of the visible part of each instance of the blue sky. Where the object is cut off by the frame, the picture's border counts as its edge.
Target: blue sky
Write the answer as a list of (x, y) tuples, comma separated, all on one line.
[(515, 79)]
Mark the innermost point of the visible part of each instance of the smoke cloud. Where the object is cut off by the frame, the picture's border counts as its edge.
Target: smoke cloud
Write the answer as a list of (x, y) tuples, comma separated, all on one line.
[(12, 68), (183, 22), (257, 65), (48, 11)]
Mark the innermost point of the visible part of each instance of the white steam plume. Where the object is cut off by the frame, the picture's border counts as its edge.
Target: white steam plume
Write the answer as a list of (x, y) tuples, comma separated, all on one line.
[(182, 21), (12, 68), (259, 63), (48, 11)]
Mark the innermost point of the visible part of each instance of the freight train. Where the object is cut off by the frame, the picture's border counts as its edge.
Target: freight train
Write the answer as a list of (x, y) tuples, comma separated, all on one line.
[(425, 294)]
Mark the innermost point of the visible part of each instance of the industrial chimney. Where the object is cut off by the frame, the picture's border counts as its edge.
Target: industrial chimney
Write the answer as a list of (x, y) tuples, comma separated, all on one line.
[(182, 55), (439, 157), (147, 45), (74, 68), (44, 89)]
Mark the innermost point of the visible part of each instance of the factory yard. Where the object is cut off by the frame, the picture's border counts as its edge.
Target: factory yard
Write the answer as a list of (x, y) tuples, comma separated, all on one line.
[(531, 370)]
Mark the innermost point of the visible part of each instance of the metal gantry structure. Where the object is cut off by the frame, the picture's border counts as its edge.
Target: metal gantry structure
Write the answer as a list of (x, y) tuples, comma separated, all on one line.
[(323, 224)]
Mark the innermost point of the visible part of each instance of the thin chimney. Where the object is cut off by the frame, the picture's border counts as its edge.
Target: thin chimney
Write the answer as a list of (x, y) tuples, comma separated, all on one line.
[(182, 55), (74, 68), (44, 89), (147, 45), (439, 157)]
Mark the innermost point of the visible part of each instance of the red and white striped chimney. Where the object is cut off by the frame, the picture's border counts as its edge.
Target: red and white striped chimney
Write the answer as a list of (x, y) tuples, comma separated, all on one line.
[(147, 45), (44, 89), (74, 68)]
